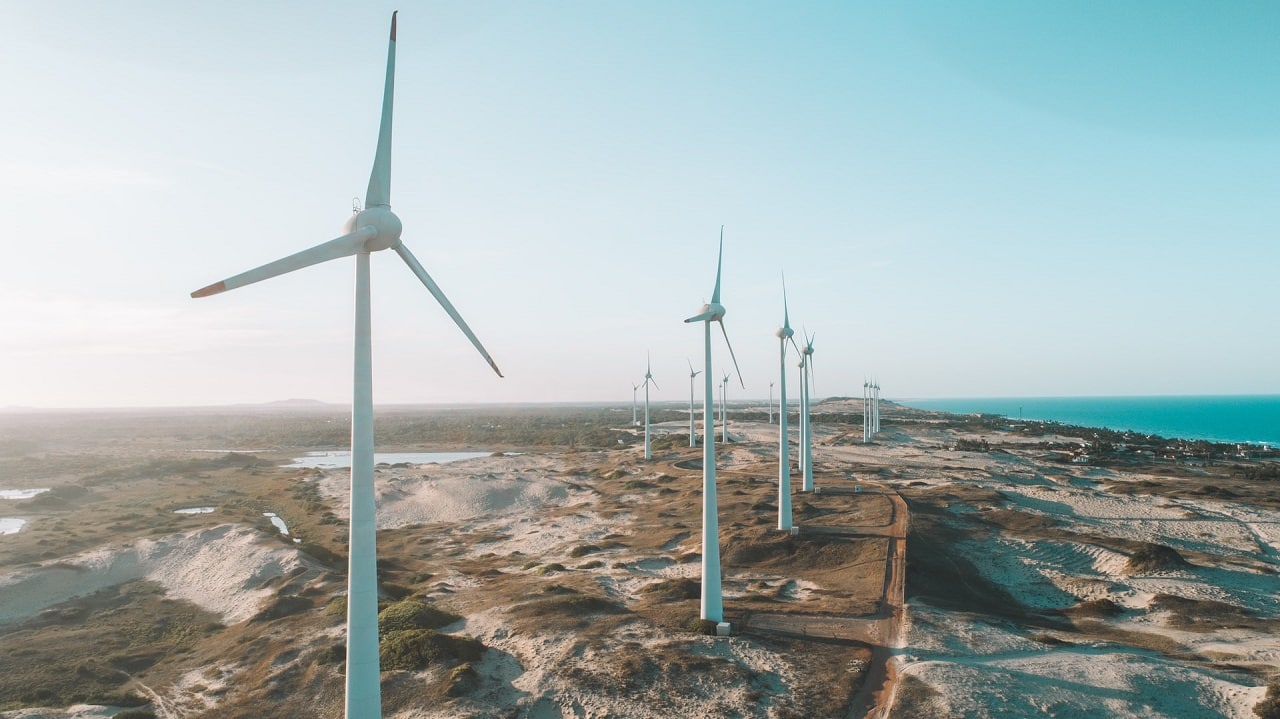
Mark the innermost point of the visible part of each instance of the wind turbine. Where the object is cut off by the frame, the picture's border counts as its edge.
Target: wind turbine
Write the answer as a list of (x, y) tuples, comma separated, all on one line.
[(784, 334), (866, 411), (648, 379), (876, 390), (724, 409), (712, 602), (806, 366), (634, 388), (770, 401), (693, 432), (370, 230)]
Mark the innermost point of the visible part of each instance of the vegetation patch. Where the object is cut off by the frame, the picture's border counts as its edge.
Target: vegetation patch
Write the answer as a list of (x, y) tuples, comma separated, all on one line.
[(1199, 614), (409, 614), (87, 649), (415, 649), (1095, 609), (1269, 707), (1155, 558)]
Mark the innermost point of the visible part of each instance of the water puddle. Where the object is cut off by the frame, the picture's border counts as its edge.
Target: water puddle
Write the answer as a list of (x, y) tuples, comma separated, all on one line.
[(21, 493), (342, 459), (194, 510), (11, 525), (280, 525)]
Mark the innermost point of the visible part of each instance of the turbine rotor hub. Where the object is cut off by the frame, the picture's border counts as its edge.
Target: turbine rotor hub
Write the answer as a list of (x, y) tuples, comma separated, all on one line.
[(383, 221), (784, 333)]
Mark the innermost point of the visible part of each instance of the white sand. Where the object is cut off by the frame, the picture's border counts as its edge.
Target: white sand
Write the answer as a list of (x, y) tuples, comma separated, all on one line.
[(221, 569), (457, 491)]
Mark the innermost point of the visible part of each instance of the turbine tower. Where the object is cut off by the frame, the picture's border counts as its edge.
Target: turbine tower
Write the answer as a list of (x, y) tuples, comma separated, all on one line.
[(784, 334), (370, 230), (770, 401), (648, 379), (712, 602), (806, 365), (693, 432), (634, 388)]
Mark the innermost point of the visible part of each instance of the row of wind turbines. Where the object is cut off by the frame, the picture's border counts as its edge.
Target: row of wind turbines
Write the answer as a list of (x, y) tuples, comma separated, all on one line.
[(712, 603), (377, 228)]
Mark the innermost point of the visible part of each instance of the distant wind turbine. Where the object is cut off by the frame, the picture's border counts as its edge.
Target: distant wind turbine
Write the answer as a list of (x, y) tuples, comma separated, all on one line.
[(712, 602), (693, 431), (866, 411), (784, 335), (634, 389), (724, 409), (648, 379), (372, 229), (806, 394), (770, 401)]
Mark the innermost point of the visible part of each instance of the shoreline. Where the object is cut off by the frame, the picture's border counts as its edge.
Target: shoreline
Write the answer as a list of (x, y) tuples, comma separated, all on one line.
[(983, 407)]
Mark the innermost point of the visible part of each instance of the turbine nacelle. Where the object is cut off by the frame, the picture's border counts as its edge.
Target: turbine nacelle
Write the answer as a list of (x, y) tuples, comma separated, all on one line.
[(710, 312), (784, 333), (383, 222)]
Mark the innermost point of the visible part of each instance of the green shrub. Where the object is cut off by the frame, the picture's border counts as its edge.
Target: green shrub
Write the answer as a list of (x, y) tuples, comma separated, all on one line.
[(282, 606), (412, 614), (462, 680), (702, 626), (414, 649), (337, 607), (583, 549), (395, 591), (332, 654)]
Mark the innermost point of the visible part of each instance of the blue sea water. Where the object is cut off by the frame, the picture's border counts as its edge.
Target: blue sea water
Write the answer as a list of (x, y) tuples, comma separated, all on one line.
[(1229, 418)]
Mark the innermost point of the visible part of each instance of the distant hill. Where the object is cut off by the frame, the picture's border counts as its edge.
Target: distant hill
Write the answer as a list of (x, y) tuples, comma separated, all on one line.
[(297, 403)]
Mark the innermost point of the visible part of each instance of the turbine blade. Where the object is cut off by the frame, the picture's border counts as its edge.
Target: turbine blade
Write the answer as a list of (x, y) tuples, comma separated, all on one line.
[(731, 355), (344, 246), (379, 192), (786, 315), (796, 346), (435, 291), (715, 294), (699, 318), (655, 384)]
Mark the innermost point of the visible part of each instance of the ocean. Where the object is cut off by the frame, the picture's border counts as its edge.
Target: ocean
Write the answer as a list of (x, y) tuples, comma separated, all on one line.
[(1229, 418)]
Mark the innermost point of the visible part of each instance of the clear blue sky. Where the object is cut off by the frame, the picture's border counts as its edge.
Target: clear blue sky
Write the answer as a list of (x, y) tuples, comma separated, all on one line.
[(968, 199)]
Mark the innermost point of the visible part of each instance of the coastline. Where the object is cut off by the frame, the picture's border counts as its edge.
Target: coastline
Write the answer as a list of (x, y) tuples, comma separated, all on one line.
[(1219, 419)]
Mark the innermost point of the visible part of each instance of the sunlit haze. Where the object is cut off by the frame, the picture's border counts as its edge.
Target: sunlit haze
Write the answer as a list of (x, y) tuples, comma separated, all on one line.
[(1007, 199)]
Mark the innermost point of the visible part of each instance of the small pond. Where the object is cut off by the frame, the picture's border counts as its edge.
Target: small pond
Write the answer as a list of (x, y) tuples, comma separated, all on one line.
[(342, 458)]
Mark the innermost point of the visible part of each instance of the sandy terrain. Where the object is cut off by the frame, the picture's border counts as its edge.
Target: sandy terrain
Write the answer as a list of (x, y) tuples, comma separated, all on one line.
[(493, 539)]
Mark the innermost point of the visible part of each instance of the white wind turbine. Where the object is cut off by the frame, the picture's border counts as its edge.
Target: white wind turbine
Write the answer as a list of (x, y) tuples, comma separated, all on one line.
[(693, 432), (875, 388), (784, 334), (372, 229), (712, 602), (866, 411), (648, 379), (634, 388), (806, 391), (770, 401), (724, 409)]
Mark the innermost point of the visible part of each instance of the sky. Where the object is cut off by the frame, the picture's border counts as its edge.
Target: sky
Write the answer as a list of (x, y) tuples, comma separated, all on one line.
[(967, 199)]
